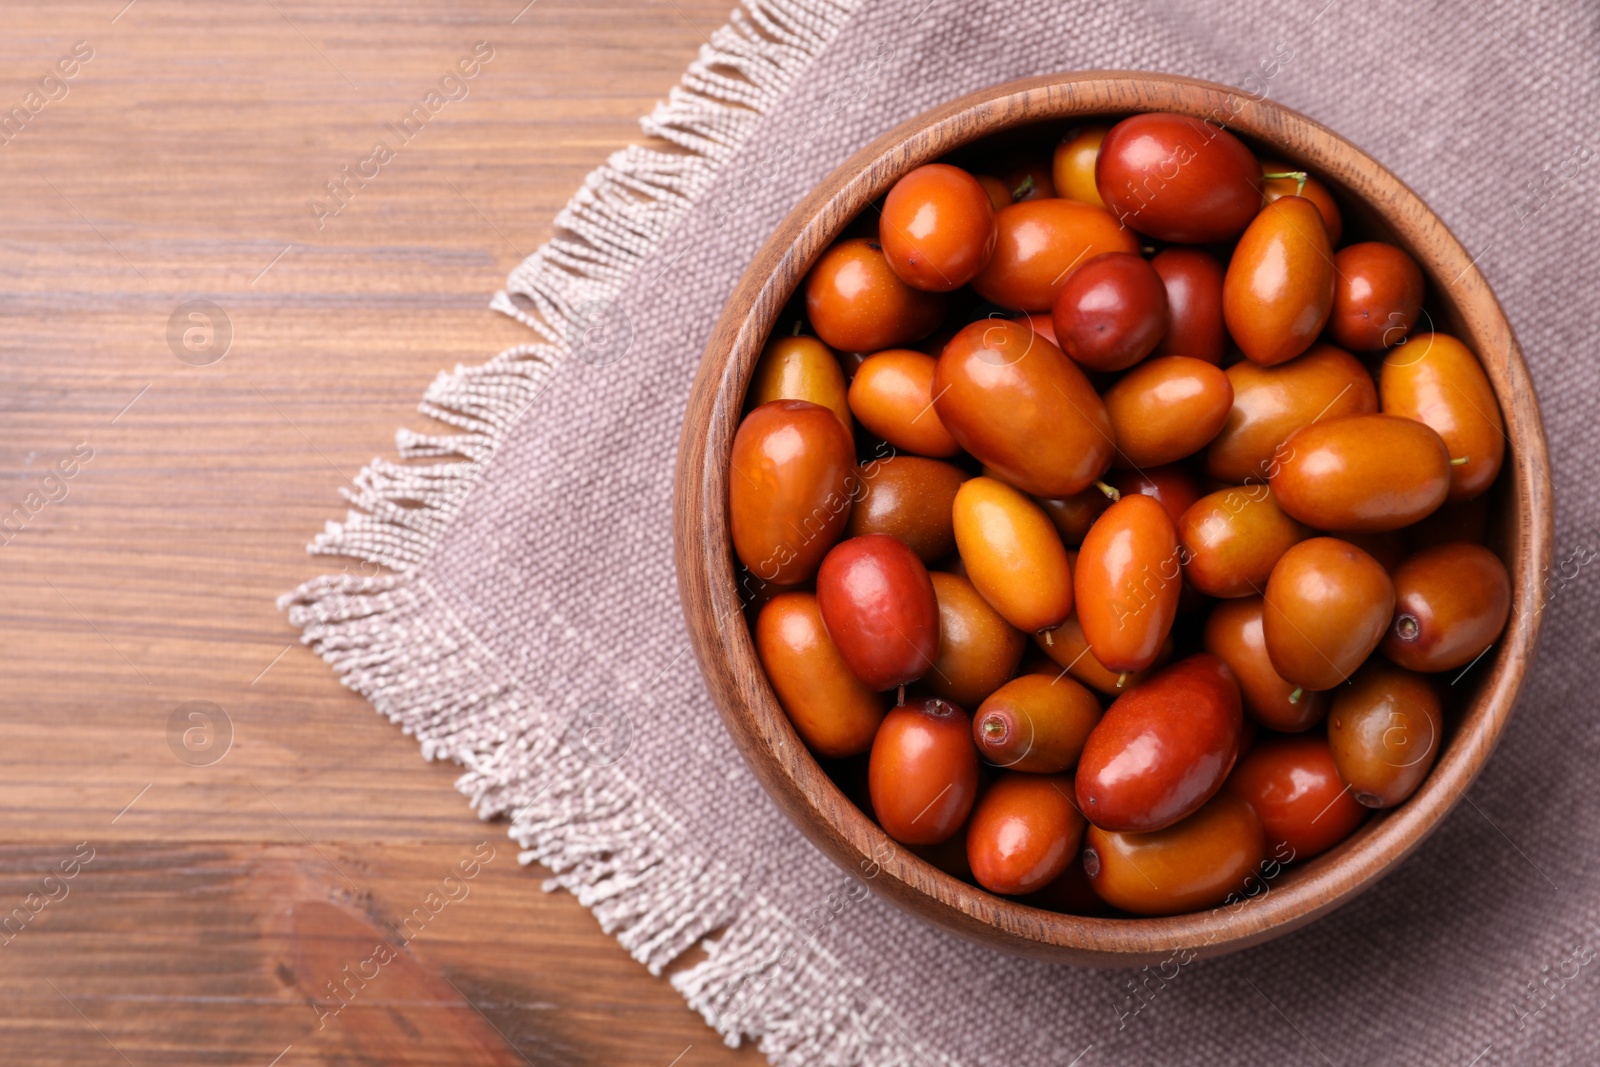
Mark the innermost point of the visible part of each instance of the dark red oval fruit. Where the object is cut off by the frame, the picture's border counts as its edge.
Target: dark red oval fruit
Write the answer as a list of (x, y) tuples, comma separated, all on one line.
[(878, 604), (1163, 748), (1110, 312), (1295, 787), (1178, 178)]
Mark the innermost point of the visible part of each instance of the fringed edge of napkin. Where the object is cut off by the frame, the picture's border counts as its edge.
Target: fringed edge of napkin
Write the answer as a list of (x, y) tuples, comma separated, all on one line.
[(626, 853)]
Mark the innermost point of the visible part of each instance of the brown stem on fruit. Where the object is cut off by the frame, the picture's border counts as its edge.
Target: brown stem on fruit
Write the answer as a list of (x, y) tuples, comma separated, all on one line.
[(1294, 697), (1459, 461), (1023, 189), (1299, 176), (1111, 494), (796, 328), (994, 728), (900, 700), (1148, 250), (1122, 679)]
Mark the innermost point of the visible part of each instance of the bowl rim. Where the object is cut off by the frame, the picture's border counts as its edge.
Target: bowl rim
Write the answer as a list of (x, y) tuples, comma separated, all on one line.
[(713, 604)]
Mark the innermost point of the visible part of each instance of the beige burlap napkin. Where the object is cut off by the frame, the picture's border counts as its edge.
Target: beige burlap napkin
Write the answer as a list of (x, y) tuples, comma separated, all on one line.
[(531, 630)]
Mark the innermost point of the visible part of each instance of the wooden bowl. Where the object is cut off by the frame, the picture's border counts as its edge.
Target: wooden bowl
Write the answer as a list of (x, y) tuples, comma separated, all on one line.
[(1377, 204)]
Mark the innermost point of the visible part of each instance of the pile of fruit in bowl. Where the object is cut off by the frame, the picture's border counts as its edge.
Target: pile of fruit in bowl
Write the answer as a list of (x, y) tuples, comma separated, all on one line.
[(1113, 532)]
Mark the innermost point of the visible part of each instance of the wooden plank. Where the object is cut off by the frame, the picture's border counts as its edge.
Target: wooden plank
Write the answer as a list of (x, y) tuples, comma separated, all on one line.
[(178, 166)]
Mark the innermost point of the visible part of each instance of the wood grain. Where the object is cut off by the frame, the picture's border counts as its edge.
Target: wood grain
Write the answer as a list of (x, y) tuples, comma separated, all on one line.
[(1381, 206), (221, 898)]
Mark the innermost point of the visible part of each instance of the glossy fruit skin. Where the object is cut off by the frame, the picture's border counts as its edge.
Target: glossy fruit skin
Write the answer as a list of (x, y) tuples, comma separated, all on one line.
[(1385, 731), (1038, 242), (1450, 603), (1234, 635), (1233, 538), (1193, 280), (1171, 486), (1035, 723), (1295, 789), (1015, 402), (1073, 165), (909, 498), (1366, 473), (1023, 833), (1435, 379), (1314, 191), (878, 604), (892, 395), (834, 714), (856, 303), (1326, 607), (800, 368), (1271, 403), (978, 649), (1377, 295), (1278, 291), (1163, 748), (1073, 515), (1069, 650), (1178, 179), (937, 227), (1110, 312), (791, 471), (1013, 555), (923, 772), (1191, 865), (1128, 579), (1166, 409)]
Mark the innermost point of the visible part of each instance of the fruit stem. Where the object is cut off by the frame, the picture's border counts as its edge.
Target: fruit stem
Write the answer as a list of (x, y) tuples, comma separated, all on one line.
[(900, 699), (796, 328), (1122, 679), (1049, 641), (1459, 461), (1023, 188), (1111, 494), (1299, 176), (1294, 697)]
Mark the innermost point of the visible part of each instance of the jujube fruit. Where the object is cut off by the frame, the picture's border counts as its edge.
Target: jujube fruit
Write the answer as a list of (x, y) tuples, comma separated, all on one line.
[(789, 488), (1178, 178), (834, 714), (1024, 831), (1450, 604), (1035, 723), (879, 607), (856, 303), (1163, 748), (937, 227), (923, 772), (1326, 608)]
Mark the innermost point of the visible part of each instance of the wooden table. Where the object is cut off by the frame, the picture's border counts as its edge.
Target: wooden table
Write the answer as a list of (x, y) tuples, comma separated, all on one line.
[(209, 904)]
